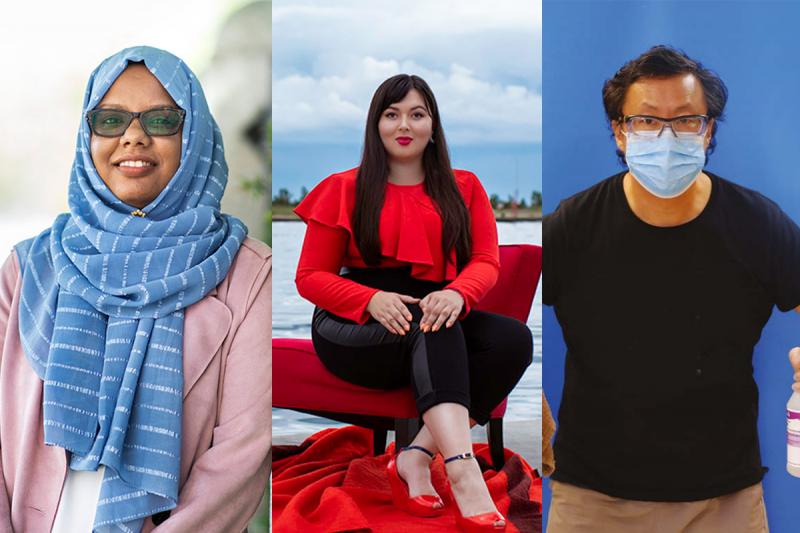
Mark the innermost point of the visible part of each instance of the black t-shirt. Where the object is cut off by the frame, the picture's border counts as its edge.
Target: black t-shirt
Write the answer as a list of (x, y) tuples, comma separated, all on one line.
[(659, 400)]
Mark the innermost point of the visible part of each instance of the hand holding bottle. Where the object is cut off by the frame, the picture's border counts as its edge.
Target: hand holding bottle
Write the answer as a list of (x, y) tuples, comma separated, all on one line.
[(794, 359)]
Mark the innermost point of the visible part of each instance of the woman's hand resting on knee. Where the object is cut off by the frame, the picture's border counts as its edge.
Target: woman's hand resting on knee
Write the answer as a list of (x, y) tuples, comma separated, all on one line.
[(389, 309), (440, 308)]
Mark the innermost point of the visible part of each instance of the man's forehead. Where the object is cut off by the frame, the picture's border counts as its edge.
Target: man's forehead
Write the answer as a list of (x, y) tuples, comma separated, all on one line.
[(678, 93)]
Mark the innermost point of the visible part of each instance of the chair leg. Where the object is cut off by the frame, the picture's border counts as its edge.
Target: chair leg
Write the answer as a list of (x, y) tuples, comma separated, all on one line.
[(378, 441), (405, 429), (494, 434)]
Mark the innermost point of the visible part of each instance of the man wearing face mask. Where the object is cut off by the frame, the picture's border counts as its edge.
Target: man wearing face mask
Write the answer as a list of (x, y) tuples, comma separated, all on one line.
[(662, 278)]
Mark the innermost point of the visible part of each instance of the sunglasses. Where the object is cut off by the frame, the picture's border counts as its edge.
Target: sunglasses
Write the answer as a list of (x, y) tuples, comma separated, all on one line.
[(155, 122)]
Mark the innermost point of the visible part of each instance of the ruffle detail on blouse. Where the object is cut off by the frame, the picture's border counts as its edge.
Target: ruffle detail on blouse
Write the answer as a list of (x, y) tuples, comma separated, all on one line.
[(410, 226), (409, 231), (419, 238), (331, 202)]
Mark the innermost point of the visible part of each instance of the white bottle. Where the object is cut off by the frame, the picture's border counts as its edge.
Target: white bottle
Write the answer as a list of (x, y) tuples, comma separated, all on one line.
[(793, 435)]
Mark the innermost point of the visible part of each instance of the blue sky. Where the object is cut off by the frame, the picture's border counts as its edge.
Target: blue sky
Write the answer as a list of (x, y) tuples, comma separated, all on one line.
[(483, 62)]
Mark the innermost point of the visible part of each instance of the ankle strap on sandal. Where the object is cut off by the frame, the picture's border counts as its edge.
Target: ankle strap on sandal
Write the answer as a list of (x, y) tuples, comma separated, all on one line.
[(420, 448), (466, 455)]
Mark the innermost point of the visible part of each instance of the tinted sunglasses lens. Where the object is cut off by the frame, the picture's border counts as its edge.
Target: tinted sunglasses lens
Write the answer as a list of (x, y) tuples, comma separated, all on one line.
[(162, 121), (109, 123)]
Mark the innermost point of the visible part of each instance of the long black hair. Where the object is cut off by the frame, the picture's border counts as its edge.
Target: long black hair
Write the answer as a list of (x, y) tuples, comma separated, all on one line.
[(440, 182)]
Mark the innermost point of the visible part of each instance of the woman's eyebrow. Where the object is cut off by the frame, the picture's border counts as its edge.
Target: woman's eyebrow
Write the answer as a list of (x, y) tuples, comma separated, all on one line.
[(395, 108)]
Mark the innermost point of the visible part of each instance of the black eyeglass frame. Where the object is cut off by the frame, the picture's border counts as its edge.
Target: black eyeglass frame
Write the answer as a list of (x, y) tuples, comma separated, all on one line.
[(132, 115), (668, 121)]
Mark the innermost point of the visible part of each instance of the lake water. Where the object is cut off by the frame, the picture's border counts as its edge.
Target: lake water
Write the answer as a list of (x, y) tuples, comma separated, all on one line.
[(291, 317)]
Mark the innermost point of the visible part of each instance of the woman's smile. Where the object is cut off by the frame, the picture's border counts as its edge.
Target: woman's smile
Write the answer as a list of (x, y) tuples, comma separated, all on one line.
[(135, 166)]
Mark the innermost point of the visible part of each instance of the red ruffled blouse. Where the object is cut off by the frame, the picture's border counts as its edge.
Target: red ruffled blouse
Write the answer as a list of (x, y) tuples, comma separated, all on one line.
[(410, 234)]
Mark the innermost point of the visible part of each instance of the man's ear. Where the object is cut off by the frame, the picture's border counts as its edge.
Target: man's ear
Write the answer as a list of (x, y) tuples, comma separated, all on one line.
[(709, 133), (619, 135)]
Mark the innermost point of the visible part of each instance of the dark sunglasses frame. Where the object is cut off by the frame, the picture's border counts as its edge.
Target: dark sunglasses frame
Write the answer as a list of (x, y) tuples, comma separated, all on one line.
[(132, 115)]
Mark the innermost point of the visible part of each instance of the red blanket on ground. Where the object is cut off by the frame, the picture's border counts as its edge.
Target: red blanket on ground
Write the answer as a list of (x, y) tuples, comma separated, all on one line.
[(331, 483)]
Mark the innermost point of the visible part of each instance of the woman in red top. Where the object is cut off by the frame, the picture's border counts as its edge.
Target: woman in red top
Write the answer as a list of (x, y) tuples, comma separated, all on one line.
[(418, 241)]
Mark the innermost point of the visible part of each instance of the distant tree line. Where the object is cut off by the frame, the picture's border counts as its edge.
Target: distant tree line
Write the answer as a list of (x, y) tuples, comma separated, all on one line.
[(285, 197), (522, 203)]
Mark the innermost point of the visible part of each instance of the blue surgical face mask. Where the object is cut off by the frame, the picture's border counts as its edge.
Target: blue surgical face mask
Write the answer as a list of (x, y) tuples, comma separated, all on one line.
[(665, 165)]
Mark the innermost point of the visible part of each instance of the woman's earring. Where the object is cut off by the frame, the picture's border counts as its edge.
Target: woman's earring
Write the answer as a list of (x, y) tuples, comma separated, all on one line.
[(431, 140)]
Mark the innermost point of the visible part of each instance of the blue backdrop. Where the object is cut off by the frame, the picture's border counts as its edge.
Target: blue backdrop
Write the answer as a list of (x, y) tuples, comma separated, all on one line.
[(754, 47)]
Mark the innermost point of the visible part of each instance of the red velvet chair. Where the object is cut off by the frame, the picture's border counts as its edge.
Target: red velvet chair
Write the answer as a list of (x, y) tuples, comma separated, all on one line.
[(301, 383)]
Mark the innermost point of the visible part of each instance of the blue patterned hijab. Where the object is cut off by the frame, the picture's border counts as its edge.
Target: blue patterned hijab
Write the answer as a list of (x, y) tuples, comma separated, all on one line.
[(103, 300)]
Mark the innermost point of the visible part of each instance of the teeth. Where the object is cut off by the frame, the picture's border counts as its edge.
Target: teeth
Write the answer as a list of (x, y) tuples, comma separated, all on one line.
[(135, 164)]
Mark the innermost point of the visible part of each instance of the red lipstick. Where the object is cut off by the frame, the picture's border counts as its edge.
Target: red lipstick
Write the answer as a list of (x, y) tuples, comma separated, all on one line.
[(404, 141)]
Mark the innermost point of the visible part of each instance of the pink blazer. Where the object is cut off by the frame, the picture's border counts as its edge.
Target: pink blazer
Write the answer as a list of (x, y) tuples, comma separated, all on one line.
[(227, 430)]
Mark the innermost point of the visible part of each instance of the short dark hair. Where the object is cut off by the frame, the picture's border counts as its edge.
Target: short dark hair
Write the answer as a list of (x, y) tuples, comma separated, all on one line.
[(663, 62)]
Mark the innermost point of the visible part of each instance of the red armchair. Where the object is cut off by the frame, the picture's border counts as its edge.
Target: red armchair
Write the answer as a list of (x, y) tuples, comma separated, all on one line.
[(301, 383)]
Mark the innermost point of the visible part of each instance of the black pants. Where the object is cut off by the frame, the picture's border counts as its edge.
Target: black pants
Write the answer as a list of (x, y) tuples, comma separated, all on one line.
[(476, 362)]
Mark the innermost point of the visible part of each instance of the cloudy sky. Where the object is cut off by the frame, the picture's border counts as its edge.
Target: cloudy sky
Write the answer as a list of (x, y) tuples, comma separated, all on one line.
[(482, 60)]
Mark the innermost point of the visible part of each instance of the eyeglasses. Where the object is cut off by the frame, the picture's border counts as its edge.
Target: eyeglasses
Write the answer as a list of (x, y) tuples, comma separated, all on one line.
[(155, 122), (649, 126)]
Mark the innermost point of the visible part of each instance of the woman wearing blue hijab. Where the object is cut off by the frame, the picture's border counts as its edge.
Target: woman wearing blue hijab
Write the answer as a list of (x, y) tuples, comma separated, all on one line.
[(135, 365)]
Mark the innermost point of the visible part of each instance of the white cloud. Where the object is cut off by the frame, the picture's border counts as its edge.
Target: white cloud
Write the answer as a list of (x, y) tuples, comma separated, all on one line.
[(509, 46), (332, 108), (413, 15), (482, 60)]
